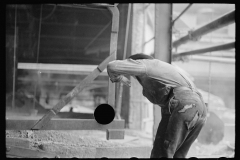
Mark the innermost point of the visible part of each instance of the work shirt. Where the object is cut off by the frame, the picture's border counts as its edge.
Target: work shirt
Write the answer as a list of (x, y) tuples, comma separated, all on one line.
[(156, 77)]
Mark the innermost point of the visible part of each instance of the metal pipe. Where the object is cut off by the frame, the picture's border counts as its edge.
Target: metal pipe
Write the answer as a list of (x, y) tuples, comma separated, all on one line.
[(119, 97), (181, 13), (220, 22), (205, 50)]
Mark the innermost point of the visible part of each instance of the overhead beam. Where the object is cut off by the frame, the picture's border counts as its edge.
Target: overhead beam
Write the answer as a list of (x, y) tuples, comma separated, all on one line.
[(220, 22), (64, 124), (205, 50)]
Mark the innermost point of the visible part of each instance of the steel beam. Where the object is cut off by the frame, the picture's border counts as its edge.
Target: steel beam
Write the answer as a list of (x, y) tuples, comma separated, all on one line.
[(162, 45), (220, 22), (163, 32), (113, 48), (205, 50), (64, 124)]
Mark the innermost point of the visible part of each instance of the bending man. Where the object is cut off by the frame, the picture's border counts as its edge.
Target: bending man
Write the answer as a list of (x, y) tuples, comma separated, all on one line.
[(182, 107)]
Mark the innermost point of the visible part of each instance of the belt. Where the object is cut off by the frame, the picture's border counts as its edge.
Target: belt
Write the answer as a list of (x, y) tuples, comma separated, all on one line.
[(183, 88)]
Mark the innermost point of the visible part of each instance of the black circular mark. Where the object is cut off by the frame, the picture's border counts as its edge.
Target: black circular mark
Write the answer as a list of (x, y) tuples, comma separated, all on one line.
[(104, 114)]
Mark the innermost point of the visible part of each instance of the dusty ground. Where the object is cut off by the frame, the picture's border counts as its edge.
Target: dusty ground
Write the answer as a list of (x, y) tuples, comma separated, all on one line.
[(83, 144), (65, 142)]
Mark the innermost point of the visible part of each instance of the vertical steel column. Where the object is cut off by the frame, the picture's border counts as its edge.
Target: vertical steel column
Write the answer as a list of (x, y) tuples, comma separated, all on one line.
[(162, 45), (120, 90), (113, 48), (14, 58), (163, 32)]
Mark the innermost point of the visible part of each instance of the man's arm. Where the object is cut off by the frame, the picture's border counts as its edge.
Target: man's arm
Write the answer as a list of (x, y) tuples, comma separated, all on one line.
[(116, 69)]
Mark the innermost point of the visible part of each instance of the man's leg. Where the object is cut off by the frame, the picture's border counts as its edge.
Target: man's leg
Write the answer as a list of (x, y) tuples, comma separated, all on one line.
[(192, 136), (159, 138), (182, 121)]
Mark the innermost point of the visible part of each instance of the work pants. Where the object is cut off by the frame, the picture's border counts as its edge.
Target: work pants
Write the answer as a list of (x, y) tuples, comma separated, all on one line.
[(180, 126)]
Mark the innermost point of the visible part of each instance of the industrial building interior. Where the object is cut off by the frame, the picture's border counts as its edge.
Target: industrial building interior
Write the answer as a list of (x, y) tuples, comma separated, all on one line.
[(51, 48)]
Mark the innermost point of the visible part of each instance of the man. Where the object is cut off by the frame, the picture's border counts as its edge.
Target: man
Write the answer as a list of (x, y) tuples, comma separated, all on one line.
[(182, 106)]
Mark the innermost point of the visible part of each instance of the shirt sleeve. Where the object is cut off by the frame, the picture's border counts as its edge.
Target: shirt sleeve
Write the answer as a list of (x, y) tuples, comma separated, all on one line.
[(116, 69)]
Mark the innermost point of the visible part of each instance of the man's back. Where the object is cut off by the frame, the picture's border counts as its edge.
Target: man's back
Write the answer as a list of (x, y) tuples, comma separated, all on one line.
[(165, 73), (156, 77)]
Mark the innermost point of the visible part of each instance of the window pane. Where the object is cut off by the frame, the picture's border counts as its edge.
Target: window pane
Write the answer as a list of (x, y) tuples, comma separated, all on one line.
[(56, 48)]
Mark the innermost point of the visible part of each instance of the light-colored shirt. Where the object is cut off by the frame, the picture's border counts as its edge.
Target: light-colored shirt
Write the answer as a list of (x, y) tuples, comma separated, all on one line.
[(156, 77)]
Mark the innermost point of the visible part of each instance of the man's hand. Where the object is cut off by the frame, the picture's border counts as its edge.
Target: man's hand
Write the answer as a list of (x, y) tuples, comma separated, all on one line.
[(125, 81)]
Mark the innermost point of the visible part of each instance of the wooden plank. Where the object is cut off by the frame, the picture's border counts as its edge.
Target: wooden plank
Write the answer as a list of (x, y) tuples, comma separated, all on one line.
[(27, 153), (65, 100), (64, 124)]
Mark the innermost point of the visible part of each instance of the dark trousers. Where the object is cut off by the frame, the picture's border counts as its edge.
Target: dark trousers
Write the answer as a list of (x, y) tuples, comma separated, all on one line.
[(180, 127)]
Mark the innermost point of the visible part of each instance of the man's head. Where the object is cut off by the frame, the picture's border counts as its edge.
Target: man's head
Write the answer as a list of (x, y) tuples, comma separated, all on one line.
[(140, 56)]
